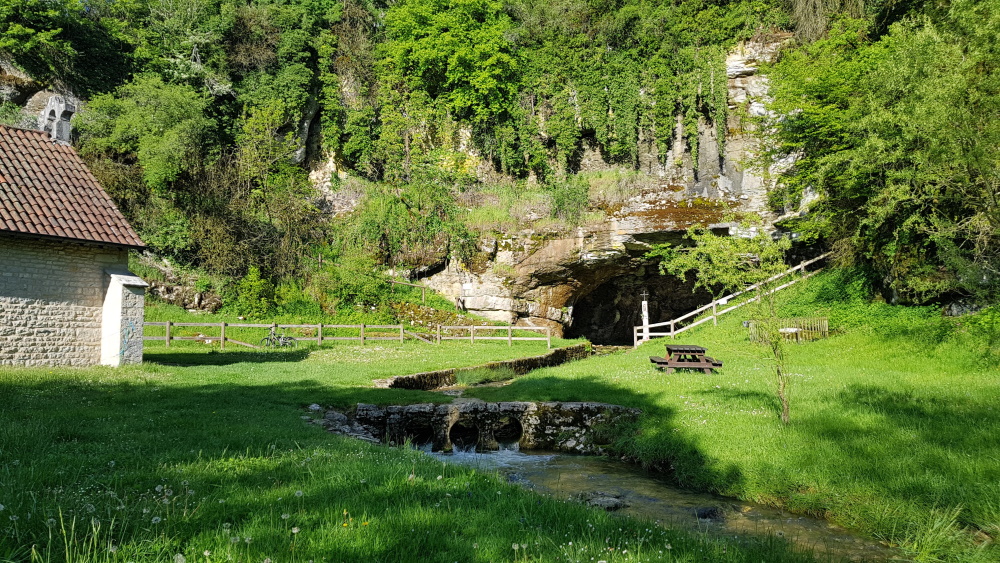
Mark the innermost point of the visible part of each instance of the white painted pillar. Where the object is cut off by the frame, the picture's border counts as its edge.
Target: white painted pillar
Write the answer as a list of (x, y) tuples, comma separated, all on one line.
[(121, 319), (645, 317)]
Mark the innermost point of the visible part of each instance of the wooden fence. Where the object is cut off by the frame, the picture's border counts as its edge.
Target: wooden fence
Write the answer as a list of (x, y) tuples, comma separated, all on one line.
[(365, 333), (796, 329), (642, 333)]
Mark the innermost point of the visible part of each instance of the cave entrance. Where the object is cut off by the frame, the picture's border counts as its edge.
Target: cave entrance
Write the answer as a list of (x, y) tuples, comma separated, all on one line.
[(606, 315)]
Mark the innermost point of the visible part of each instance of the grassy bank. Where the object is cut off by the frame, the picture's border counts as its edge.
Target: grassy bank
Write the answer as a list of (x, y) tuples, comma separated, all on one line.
[(206, 455), (895, 419)]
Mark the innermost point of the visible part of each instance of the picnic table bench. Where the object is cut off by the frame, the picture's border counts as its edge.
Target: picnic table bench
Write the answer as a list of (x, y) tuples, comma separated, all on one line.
[(686, 356)]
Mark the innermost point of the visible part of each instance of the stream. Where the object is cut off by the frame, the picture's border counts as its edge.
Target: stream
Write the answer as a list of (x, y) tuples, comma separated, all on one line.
[(629, 490)]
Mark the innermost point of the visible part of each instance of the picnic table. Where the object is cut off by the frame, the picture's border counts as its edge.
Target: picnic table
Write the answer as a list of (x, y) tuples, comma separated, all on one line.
[(686, 356)]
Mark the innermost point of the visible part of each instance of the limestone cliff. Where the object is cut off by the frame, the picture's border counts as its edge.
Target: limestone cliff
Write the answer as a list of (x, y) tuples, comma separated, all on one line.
[(589, 281)]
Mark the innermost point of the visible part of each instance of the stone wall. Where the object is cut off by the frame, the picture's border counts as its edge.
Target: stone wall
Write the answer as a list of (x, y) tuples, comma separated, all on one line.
[(51, 299), (429, 380), (574, 427)]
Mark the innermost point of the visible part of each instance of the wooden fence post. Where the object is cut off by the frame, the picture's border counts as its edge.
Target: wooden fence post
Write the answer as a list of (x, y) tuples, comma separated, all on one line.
[(362, 334), (439, 334), (671, 329), (169, 323), (222, 336), (715, 313), (548, 337), (400, 333), (510, 335), (472, 334), (319, 334), (423, 295)]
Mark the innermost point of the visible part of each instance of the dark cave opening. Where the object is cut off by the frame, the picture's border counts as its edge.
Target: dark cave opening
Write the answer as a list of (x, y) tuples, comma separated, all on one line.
[(607, 314)]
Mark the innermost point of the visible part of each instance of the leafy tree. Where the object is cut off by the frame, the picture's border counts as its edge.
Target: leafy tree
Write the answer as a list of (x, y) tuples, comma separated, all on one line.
[(749, 257), (461, 51), (162, 126), (900, 137), (31, 31), (254, 295)]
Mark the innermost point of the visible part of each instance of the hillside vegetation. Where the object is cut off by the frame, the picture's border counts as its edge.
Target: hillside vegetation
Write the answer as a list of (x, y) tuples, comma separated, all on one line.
[(447, 119)]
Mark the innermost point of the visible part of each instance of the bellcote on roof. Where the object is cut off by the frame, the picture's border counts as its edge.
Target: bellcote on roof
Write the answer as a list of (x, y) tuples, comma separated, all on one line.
[(47, 190)]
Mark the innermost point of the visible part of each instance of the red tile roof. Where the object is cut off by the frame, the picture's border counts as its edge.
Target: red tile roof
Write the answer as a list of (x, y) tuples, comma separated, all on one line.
[(47, 190)]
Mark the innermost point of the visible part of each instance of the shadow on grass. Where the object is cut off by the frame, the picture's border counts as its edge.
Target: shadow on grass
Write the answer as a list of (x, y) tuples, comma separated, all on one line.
[(767, 401), (928, 448), (216, 358), (238, 444)]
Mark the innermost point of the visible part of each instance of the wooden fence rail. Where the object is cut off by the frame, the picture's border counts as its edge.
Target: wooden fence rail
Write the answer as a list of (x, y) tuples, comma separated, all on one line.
[(366, 333), (641, 333), (797, 329)]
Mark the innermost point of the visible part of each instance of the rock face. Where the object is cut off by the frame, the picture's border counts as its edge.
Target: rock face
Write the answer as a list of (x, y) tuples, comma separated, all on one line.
[(588, 282), (567, 427), (185, 296)]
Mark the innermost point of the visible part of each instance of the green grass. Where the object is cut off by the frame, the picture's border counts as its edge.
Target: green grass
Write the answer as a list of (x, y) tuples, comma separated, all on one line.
[(484, 375), (895, 420), (206, 455)]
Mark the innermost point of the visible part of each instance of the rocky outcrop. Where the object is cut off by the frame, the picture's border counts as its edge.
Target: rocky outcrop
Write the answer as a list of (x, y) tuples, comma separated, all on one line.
[(553, 426), (588, 281), (184, 296)]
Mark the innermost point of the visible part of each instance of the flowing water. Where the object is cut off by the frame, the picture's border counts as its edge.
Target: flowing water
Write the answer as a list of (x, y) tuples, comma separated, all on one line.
[(604, 482)]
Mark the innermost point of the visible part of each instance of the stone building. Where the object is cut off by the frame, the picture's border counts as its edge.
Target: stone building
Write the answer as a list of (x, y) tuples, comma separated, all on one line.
[(66, 295)]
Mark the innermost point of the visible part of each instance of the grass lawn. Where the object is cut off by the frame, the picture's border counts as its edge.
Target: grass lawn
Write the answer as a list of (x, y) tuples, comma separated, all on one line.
[(895, 420), (204, 456)]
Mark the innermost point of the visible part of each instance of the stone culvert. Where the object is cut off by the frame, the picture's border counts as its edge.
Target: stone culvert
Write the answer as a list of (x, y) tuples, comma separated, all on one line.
[(554, 426)]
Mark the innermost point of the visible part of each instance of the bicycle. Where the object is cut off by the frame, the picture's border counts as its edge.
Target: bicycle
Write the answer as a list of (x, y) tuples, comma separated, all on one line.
[(275, 340)]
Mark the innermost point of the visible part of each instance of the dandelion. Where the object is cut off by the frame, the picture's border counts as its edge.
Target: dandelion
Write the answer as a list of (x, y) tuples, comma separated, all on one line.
[(267, 560), (440, 477), (298, 493), (247, 539), (206, 553), (226, 525), (234, 539), (2, 507), (113, 548), (295, 530), (157, 520), (524, 546), (285, 516), (51, 522), (364, 523), (159, 488), (13, 518), (179, 558), (514, 546)]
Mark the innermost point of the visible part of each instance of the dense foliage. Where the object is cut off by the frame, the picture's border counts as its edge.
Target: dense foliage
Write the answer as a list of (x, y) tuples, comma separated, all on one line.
[(899, 137), (204, 116)]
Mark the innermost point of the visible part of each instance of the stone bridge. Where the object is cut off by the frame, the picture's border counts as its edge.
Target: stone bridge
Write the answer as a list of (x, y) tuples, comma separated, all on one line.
[(465, 425)]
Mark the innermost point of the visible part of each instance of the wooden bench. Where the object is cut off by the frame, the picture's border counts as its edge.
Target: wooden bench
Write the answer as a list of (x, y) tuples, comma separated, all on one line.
[(686, 356)]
